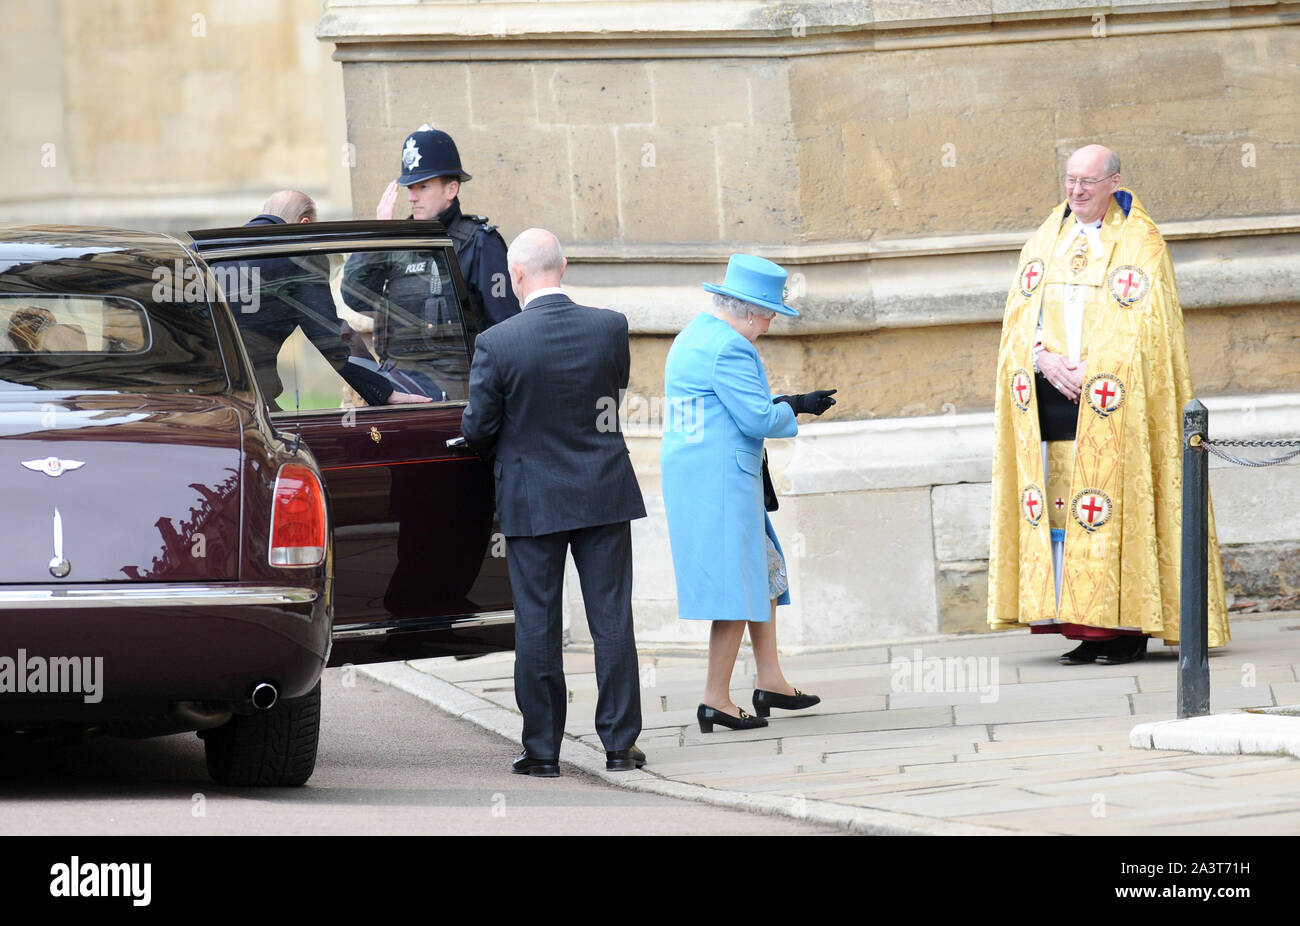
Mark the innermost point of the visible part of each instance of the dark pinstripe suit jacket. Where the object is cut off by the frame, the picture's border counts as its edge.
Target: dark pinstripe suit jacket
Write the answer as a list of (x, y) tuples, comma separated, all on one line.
[(541, 389)]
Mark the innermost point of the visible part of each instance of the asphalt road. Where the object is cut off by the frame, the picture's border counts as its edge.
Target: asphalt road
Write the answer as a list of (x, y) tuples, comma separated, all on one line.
[(388, 764)]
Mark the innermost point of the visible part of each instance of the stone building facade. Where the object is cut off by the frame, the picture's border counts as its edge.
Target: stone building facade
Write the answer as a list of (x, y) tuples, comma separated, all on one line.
[(893, 155), (167, 115)]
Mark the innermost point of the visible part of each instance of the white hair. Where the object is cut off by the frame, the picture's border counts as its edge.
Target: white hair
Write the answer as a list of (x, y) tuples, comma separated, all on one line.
[(739, 308)]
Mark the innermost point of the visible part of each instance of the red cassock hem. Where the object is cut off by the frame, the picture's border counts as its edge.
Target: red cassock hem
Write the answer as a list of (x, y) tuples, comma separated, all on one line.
[(1084, 632)]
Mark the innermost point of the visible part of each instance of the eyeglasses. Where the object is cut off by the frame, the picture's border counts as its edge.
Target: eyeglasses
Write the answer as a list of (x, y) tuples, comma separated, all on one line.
[(1086, 182)]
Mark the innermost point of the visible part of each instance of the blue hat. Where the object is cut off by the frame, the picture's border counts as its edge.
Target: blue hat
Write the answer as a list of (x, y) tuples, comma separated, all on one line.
[(429, 153), (754, 280)]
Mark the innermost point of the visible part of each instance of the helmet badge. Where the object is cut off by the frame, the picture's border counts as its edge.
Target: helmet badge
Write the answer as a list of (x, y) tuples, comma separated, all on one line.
[(410, 154)]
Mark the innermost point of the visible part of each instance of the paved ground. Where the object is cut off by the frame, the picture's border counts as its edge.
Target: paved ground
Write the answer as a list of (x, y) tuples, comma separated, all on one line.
[(900, 743), (388, 764)]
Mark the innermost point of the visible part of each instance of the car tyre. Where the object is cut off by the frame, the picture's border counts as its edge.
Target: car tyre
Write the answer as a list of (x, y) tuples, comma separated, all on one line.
[(272, 748)]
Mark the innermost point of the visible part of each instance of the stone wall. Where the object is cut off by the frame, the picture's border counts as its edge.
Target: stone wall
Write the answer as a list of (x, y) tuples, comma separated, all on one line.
[(885, 526), (164, 115), (894, 155)]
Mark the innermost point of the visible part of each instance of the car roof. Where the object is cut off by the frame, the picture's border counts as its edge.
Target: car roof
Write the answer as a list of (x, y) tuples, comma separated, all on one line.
[(28, 250)]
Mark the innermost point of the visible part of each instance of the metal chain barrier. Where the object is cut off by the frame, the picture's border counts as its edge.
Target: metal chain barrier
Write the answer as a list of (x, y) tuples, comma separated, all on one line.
[(1214, 448), (1193, 619)]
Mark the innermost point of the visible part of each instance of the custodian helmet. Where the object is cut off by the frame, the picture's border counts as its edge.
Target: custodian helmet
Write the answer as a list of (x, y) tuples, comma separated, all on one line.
[(427, 153)]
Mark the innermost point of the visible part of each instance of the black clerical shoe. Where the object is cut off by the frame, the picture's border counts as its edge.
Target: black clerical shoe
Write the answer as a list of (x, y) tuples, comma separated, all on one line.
[(539, 768), (708, 716), (624, 760), (1128, 648), (1082, 655), (764, 701)]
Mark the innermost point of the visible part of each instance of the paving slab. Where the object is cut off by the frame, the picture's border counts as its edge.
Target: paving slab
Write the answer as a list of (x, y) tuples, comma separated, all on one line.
[(1166, 702), (1052, 753), (1283, 692), (1017, 693), (963, 739), (1237, 767), (1081, 730), (1106, 704), (963, 802)]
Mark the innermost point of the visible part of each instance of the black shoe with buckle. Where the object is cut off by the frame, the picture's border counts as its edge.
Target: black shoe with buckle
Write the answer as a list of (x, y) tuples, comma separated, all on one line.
[(1082, 655), (539, 768), (708, 716), (624, 760), (764, 701)]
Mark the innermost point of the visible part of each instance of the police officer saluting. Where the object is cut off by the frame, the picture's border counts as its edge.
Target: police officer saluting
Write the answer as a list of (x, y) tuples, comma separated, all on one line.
[(418, 337), (432, 175)]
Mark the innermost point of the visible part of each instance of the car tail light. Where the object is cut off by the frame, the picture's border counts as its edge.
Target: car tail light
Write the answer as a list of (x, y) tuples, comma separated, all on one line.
[(297, 518)]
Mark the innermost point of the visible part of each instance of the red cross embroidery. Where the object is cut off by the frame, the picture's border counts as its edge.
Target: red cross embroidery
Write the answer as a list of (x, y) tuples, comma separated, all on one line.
[(1129, 284), (1104, 393), (1092, 508), (1031, 503), (1020, 387), (1030, 273), (1060, 503)]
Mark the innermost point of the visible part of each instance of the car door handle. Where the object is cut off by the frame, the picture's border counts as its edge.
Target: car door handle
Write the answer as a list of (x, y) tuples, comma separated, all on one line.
[(455, 442)]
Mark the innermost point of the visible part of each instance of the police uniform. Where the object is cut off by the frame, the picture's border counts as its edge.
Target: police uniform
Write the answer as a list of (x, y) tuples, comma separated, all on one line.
[(419, 337), (294, 293), (481, 253), (413, 338)]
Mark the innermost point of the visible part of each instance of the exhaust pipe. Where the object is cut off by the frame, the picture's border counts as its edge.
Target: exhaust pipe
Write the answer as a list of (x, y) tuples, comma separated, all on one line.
[(263, 696)]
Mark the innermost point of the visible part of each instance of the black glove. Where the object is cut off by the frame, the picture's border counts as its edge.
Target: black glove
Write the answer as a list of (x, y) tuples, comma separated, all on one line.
[(809, 403)]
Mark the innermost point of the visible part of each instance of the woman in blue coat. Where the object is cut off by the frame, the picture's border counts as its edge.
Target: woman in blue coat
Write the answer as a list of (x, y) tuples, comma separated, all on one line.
[(728, 563)]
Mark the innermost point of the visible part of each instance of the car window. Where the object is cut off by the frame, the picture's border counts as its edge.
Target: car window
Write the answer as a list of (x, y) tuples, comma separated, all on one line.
[(350, 329), (42, 324), (91, 342)]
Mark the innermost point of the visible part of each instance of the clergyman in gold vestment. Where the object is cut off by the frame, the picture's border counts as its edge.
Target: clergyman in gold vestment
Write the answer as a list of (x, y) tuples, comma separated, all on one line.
[(1087, 463)]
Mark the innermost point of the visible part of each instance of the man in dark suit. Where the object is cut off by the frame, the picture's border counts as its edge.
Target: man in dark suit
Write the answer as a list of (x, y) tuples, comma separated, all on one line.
[(294, 292), (537, 387)]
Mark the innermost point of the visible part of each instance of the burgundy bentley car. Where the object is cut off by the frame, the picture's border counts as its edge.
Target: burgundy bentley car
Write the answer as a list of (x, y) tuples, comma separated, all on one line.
[(227, 462)]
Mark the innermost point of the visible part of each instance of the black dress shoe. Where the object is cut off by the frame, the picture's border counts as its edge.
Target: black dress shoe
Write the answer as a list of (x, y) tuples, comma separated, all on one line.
[(1116, 652), (764, 701), (541, 768), (624, 760), (708, 716), (1081, 655)]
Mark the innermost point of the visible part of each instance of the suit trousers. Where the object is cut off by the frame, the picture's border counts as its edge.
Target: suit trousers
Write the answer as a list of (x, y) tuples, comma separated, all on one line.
[(603, 555)]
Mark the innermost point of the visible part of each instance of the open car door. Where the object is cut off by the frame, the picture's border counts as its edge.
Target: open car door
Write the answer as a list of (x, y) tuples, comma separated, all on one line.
[(361, 335)]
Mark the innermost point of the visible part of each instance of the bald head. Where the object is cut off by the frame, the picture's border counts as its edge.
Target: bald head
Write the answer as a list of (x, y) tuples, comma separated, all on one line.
[(290, 205), (1094, 161), (1091, 179), (535, 261)]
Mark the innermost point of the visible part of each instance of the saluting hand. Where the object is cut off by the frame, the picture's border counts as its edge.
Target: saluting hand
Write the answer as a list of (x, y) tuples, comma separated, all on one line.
[(387, 202)]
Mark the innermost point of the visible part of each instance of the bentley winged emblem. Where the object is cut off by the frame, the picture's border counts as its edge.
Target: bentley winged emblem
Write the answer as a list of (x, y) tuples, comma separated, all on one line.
[(53, 466)]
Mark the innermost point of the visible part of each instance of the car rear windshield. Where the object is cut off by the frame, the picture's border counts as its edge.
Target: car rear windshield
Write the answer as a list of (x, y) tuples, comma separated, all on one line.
[(60, 341)]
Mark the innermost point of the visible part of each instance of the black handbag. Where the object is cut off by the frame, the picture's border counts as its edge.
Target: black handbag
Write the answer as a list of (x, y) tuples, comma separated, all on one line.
[(769, 491)]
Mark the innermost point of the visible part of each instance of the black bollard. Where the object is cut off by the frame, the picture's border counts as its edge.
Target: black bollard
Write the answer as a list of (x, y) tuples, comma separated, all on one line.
[(1194, 626)]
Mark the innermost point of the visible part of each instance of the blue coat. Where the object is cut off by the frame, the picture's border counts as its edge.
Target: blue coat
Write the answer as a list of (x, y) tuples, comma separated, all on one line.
[(719, 409)]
